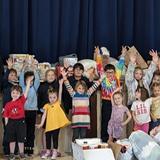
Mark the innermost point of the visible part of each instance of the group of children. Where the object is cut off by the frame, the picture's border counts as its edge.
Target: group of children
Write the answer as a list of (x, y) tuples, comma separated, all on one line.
[(22, 102)]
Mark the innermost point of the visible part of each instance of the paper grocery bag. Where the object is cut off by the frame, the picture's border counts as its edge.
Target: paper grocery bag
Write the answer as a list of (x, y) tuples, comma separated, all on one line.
[(116, 148), (140, 61)]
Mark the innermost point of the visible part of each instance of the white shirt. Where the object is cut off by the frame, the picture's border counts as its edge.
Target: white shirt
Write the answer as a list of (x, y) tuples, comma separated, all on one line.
[(142, 110)]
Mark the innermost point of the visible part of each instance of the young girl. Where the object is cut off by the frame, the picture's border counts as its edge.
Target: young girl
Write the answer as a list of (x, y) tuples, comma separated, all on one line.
[(116, 123), (55, 119), (80, 110), (141, 111), (135, 77), (155, 108), (50, 82)]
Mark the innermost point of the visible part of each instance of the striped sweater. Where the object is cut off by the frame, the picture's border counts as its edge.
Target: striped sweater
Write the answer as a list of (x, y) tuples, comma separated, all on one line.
[(80, 103)]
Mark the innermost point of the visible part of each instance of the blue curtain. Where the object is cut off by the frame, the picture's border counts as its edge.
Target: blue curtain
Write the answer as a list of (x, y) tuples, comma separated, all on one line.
[(52, 28)]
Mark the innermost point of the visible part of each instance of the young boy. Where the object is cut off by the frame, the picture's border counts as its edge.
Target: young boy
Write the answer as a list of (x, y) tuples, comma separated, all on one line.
[(30, 106), (14, 119), (110, 83)]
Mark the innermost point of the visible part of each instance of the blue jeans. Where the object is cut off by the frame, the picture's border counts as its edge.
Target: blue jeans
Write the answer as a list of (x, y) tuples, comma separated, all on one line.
[(144, 147), (154, 124)]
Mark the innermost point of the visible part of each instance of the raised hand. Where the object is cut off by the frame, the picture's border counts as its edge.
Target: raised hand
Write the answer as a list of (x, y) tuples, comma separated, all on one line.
[(96, 49), (123, 50), (9, 62), (154, 55), (64, 74)]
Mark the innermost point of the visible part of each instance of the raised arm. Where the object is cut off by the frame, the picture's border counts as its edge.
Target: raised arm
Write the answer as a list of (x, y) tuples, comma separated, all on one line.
[(67, 84), (116, 90), (28, 86), (37, 80), (94, 87), (129, 77), (121, 63), (152, 67), (60, 90)]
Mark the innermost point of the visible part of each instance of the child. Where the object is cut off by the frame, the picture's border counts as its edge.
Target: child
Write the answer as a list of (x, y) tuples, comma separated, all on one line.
[(14, 119), (55, 119), (30, 106), (9, 80), (80, 110), (116, 123), (108, 85), (141, 111), (78, 70), (69, 71), (135, 77), (50, 82), (155, 107)]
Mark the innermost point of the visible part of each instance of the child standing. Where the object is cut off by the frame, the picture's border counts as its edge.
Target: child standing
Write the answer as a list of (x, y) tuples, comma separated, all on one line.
[(141, 111), (155, 108), (9, 80), (110, 83), (14, 119), (135, 77), (116, 123), (80, 102), (30, 106), (50, 82), (55, 119)]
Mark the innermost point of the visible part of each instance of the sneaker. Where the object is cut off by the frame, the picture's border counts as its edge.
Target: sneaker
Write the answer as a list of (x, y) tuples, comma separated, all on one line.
[(22, 156), (11, 157), (54, 155), (45, 155), (58, 154)]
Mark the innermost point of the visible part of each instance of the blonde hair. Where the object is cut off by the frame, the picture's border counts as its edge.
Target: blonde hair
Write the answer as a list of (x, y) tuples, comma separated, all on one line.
[(50, 70)]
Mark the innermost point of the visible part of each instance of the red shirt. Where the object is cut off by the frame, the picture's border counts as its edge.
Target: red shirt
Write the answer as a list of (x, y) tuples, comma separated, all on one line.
[(15, 109)]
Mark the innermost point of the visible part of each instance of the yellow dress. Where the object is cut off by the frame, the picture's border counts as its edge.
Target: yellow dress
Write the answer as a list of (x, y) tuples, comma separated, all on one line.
[(55, 117)]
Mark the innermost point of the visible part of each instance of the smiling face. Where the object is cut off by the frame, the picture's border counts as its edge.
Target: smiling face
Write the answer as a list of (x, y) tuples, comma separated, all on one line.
[(80, 89), (12, 76), (138, 74), (110, 73), (156, 91), (50, 76), (52, 97), (117, 97), (15, 94)]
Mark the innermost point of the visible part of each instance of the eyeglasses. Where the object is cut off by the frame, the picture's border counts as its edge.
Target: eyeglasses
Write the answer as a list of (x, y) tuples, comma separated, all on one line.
[(110, 72)]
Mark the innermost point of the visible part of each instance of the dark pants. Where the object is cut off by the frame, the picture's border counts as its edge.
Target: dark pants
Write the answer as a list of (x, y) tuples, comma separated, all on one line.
[(6, 149), (30, 118), (154, 124), (79, 133), (106, 114), (52, 135)]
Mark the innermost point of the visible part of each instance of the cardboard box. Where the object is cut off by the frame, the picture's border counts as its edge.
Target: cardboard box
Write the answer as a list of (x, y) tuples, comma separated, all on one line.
[(79, 153), (140, 61)]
